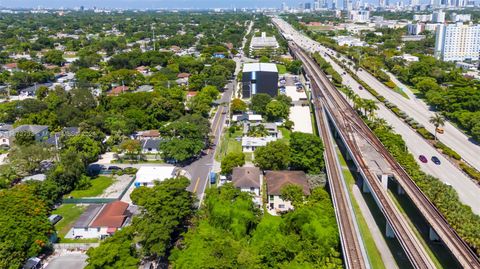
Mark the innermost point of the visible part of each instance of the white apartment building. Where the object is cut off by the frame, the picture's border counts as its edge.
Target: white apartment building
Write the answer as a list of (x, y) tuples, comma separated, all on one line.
[(359, 15), (422, 17), (460, 17), (438, 16), (415, 28), (457, 42)]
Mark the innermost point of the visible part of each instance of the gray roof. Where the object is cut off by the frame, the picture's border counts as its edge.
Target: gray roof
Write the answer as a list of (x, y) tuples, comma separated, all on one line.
[(6, 128), (35, 129), (246, 177), (84, 220), (151, 143)]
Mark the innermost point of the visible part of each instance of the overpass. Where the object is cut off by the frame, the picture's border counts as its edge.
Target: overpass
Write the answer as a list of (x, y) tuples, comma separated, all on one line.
[(377, 166)]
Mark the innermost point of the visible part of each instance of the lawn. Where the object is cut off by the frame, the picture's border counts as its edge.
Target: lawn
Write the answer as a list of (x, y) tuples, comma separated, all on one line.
[(229, 144), (282, 69), (70, 214), (285, 134), (99, 184)]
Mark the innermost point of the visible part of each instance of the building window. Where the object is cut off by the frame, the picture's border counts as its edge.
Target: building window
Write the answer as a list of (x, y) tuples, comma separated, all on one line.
[(271, 197), (252, 189), (86, 229), (282, 206), (98, 229)]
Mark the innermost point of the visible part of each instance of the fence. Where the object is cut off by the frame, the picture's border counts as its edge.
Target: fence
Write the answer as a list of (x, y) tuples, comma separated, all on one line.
[(74, 246), (88, 200)]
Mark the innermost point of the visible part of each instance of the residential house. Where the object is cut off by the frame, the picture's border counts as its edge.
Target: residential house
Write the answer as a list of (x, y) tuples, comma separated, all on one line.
[(30, 91), (249, 144), (147, 175), (39, 131), (150, 146), (190, 95), (182, 79), (269, 127), (55, 139), (252, 118), (5, 134), (10, 67), (248, 179), (276, 180), (100, 221), (143, 70), (148, 134), (145, 88), (117, 90)]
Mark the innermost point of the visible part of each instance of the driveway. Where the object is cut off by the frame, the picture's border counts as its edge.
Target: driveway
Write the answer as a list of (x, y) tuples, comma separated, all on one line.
[(68, 261)]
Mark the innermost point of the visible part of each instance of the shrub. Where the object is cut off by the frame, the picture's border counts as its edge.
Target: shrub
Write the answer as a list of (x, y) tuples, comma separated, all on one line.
[(390, 84), (447, 151), (472, 172), (425, 133)]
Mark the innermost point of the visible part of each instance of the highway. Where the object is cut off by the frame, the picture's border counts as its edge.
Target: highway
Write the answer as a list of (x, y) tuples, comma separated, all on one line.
[(355, 134)]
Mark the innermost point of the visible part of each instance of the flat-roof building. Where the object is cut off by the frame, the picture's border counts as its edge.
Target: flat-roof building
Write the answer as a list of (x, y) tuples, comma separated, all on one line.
[(147, 175), (259, 78)]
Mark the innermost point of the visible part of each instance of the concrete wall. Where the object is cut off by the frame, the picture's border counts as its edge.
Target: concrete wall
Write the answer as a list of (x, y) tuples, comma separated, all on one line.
[(278, 203)]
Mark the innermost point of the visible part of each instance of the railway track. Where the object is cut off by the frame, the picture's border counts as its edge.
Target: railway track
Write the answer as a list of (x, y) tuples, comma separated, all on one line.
[(351, 245), (351, 127)]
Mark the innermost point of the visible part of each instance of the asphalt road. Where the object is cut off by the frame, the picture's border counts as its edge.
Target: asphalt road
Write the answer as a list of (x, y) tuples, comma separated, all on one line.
[(70, 261), (467, 190), (200, 168)]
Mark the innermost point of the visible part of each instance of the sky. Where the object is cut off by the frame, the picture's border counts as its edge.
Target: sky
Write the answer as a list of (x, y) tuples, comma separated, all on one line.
[(141, 4)]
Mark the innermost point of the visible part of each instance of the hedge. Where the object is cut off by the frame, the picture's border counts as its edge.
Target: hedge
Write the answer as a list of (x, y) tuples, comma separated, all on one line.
[(447, 151), (425, 133), (472, 172)]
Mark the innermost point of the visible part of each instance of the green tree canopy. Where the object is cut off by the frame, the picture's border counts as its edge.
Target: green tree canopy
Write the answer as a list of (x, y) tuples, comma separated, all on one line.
[(232, 160), (306, 152), (274, 156)]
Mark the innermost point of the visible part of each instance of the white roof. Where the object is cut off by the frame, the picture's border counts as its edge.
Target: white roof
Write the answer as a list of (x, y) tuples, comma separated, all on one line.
[(148, 174), (256, 141), (256, 117), (256, 67)]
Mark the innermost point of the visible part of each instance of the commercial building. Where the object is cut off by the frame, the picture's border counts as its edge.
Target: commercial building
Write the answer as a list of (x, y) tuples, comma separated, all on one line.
[(438, 16), (422, 17), (415, 28), (457, 42), (259, 78), (359, 15), (454, 17), (147, 175), (263, 42)]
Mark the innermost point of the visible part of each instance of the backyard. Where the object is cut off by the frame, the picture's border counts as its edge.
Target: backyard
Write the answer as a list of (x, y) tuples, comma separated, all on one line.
[(70, 214), (99, 184)]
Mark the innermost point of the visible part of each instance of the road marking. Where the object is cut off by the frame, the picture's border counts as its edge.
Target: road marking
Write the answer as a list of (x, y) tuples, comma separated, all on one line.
[(196, 185)]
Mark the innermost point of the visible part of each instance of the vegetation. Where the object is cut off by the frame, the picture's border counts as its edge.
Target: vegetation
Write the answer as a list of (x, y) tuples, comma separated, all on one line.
[(231, 233), (97, 186), (165, 210), (232, 160)]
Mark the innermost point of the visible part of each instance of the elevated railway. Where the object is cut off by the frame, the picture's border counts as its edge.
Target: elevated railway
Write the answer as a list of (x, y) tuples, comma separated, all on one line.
[(357, 136)]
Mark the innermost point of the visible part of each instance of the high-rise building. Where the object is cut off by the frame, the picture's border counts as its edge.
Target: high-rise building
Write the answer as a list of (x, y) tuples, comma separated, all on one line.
[(284, 6), (457, 42), (381, 3), (454, 17), (316, 5), (359, 15), (308, 6), (438, 16)]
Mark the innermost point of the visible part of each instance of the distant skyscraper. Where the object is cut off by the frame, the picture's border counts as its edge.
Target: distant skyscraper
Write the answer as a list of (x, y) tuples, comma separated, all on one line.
[(414, 3), (284, 7), (381, 3), (308, 6), (316, 5), (438, 16), (334, 4)]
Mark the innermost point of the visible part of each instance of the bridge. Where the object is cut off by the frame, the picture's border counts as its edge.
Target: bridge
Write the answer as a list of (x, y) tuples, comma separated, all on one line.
[(376, 166)]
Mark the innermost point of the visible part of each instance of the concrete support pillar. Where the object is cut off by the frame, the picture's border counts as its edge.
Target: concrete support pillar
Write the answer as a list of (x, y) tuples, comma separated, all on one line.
[(400, 190), (365, 187), (389, 231), (384, 180), (433, 235)]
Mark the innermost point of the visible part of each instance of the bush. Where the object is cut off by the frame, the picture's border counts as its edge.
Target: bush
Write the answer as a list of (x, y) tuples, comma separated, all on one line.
[(381, 98), (448, 151), (425, 133), (390, 84), (472, 172)]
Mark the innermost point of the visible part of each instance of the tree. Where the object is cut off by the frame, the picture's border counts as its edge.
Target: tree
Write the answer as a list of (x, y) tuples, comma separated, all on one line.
[(25, 227), (180, 150), (42, 92), (165, 210), (238, 106), (370, 107), (87, 148), (87, 75), (232, 160), (292, 193), (306, 152), (116, 252), (132, 148), (53, 57), (26, 159), (294, 67), (264, 59), (437, 120), (24, 138), (68, 171), (276, 110), (259, 103), (274, 156)]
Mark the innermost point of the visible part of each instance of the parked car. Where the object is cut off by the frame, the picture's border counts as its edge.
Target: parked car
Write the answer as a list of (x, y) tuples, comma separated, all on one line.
[(54, 219), (423, 159), (435, 160)]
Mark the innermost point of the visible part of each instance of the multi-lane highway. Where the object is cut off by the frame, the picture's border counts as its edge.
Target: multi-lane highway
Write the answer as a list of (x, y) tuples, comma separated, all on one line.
[(355, 133)]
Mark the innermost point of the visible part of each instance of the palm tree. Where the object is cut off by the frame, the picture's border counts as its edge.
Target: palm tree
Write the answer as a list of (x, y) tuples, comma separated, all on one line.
[(370, 107), (349, 92), (437, 120)]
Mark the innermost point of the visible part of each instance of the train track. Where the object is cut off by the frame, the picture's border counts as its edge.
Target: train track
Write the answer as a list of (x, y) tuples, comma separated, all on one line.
[(351, 245), (351, 128)]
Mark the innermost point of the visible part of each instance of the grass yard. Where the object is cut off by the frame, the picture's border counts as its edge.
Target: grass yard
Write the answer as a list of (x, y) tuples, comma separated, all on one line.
[(282, 69), (285, 134), (229, 144), (99, 184), (70, 214)]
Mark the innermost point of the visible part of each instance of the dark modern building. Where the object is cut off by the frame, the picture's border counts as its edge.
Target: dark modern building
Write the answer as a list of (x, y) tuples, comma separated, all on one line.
[(259, 78)]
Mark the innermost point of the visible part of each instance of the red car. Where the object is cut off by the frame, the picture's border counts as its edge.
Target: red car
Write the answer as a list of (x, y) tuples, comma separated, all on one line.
[(423, 159)]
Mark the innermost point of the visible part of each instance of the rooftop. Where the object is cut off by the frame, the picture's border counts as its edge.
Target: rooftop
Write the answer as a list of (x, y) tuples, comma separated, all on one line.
[(148, 174), (260, 67), (112, 215), (246, 177), (256, 141), (276, 180)]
